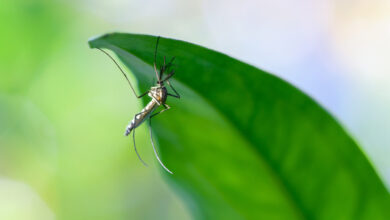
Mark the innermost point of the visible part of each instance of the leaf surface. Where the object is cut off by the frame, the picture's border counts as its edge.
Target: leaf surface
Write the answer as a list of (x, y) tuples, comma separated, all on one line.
[(244, 144)]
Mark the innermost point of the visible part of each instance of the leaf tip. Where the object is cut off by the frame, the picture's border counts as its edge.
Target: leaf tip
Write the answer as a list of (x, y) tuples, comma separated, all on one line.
[(93, 42)]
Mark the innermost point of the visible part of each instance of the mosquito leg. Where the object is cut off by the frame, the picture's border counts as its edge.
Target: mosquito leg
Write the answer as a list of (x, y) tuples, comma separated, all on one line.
[(163, 65), (176, 95), (170, 63), (169, 75), (162, 70), (166, 107), (154, 148), (135, 148), (124, 74), (143, 94), (155, 60)]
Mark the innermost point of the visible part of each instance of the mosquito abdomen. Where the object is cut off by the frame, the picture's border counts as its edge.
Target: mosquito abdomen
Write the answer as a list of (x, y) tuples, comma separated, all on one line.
[(140, 117), (129, 128)]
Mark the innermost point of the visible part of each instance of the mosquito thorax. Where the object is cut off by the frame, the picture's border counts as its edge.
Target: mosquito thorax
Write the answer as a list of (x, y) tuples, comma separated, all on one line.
[(158, 92)]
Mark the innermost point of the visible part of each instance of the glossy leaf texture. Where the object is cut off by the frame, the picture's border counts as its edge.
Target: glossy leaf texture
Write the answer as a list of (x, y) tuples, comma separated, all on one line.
[(244, 144)]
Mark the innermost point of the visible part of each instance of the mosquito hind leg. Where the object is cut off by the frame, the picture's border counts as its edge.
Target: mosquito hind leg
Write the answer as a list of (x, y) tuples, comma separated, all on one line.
[(135, 148), (154, 148)]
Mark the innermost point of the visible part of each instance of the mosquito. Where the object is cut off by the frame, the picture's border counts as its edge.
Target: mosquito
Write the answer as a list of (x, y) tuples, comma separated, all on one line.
[(158, 94)]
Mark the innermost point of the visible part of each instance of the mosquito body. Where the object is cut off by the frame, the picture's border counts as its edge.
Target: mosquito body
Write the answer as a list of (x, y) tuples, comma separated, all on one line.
[(158, 94)]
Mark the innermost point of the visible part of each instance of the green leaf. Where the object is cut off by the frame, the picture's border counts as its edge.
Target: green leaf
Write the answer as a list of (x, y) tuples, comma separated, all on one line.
[(244, 144)]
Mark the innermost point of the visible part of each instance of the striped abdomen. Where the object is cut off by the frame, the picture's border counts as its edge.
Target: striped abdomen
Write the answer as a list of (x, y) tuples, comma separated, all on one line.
[(141, 117)]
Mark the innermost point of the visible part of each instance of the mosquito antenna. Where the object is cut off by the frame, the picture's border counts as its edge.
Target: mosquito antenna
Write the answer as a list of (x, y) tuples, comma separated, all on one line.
[(155, 59), (154, 149), (163, 69), (124, 74), (135, 148)]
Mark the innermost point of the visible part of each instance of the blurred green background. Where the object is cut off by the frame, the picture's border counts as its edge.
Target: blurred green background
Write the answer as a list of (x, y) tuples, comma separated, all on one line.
[(64, 107), (63, 111)]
